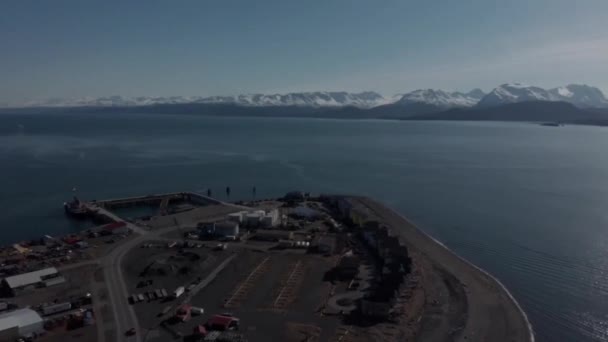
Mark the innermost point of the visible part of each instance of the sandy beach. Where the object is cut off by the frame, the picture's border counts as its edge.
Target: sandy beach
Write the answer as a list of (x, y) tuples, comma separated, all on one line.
[(462, 302)]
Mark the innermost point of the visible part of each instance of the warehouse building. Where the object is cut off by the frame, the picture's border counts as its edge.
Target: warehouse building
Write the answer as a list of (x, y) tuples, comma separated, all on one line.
[(41, 278), (20, 323), (256, 218), (218, 229)]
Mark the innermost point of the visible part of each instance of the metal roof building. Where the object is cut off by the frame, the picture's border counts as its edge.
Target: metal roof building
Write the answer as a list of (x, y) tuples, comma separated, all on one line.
[(31, 278), (22, 322)]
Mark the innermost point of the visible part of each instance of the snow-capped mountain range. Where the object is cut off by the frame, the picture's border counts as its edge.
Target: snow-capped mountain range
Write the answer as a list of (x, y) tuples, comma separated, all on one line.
[(312, 99), (441, 98), (582, 96), (579, 95)]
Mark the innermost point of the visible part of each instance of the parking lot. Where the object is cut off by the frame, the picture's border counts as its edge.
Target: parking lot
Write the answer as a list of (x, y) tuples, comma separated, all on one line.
[(274, 293)]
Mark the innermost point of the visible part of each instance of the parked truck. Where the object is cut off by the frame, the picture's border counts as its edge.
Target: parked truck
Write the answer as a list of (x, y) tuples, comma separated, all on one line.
[(197, 311), (178, 292)]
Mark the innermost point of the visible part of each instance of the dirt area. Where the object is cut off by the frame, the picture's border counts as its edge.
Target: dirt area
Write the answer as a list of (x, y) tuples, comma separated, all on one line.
[(101, 246), (84, 334), (265, 205), (192, 217), (446, 308), (77, 284), (167, 268), (462, 303), (277, 295), (271, 293)]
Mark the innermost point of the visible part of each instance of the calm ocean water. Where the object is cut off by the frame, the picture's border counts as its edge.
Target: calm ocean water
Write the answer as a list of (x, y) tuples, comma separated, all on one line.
[(527, 203)]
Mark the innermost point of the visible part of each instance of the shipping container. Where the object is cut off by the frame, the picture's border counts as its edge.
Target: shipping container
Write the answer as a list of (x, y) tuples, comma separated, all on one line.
[(55, 308)]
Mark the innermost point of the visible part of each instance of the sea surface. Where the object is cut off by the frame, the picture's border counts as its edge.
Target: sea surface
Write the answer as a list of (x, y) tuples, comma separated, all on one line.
[(527, 203)]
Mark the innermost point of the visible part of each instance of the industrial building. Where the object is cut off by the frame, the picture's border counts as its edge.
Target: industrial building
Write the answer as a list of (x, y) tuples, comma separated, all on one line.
[(20, 323), (41, 278), (252, 219), (270, 218), (219, 229), (256, 218), (226, 228)]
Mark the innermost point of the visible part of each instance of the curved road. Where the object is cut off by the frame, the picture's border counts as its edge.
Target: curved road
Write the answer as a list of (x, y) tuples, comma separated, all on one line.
[(124, 314)]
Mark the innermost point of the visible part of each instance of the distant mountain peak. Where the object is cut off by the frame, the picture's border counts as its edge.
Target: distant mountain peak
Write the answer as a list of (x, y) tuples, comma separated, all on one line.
[(439, 98), (365, 99), (476, 93), (578, 95), (581, 95), (513, 93)]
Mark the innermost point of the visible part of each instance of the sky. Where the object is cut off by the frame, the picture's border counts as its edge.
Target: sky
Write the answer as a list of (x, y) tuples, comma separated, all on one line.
[(81, 48)]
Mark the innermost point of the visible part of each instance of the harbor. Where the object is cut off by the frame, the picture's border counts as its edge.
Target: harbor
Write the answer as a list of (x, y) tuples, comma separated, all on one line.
[(173, 273)]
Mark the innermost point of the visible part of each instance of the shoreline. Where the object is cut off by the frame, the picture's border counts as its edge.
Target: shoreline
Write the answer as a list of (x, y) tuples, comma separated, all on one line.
[(484, 272), (440, 255)]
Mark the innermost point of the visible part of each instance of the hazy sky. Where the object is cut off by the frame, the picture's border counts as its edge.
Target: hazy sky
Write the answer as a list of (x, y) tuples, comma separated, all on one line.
[(80, 48)]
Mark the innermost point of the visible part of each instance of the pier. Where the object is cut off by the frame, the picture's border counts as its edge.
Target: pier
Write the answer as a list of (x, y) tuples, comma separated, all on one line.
[(160, 200), (102, 210)]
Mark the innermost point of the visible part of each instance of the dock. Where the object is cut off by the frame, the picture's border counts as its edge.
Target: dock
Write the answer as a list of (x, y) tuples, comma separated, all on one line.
[(160, 200)]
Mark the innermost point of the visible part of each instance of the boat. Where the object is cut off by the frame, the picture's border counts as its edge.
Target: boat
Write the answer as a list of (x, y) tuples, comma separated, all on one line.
[(75, 208), (551, 124)]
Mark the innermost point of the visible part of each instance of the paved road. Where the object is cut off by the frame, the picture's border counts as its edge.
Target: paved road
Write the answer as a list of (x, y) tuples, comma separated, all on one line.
[(124, 314)]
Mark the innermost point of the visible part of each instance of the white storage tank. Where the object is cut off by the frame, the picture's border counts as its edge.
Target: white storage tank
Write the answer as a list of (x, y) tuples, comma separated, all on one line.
[(253, 219), (236, 217)]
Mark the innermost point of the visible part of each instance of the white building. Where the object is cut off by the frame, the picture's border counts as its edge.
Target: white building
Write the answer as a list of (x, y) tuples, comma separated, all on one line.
[(270, 218), (45, 277), (257, 218), (20, 323)]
